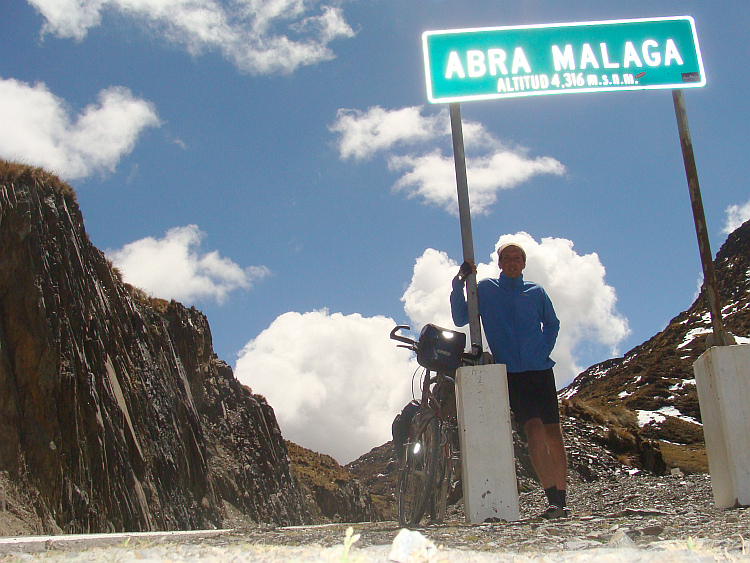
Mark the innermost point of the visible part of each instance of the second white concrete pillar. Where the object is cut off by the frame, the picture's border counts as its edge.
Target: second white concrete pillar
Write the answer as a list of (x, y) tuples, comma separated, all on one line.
[(722, 376)]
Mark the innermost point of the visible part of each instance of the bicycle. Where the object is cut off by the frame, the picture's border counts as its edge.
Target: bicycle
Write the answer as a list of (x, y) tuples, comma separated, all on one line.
[(432, 448)]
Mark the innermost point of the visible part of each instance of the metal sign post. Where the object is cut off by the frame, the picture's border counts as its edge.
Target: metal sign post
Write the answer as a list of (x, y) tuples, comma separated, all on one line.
[(720, 336), (467, 240)]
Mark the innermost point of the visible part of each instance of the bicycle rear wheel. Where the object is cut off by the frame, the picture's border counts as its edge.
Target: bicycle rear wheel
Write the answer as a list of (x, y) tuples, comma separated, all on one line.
[(439, 498), (417, 478)]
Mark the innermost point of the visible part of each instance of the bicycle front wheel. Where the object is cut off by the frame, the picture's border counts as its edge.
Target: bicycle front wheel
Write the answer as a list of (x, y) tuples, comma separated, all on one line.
[(417, 478)]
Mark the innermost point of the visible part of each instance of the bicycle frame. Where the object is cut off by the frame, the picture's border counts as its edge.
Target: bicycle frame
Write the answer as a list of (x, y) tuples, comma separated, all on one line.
[(427, 466)]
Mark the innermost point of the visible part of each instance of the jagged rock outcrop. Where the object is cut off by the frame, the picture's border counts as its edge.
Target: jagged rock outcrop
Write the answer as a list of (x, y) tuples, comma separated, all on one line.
[(334, 492), (113, 407)]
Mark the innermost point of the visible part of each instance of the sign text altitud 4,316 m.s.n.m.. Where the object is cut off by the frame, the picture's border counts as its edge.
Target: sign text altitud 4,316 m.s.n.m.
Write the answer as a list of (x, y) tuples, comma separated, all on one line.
[(532, 60)]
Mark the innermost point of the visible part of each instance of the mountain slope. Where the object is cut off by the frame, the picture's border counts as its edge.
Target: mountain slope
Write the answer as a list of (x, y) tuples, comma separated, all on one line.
[(655, 380)]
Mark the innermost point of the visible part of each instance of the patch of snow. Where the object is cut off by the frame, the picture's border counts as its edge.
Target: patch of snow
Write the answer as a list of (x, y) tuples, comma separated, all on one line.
[(670, 411), (624, 394), (600, 372), (681, 384), (646, 417), (731, 308), (568, 393), (658, 416), (673, 412), (692, 335)]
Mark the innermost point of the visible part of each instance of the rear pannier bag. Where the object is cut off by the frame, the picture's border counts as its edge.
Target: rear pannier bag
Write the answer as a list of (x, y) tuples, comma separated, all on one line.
[(400, 427)]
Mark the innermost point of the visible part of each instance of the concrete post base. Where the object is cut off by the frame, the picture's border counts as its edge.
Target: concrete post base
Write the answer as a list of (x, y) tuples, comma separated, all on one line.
[(488, 468), (722, 376)]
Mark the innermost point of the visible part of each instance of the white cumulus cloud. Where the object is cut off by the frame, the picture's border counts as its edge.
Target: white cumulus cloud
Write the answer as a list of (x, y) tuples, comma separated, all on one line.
[(39, 130), (736, 216), (427, 172), (334, 381), (175, 267), (257, 36), (584, 303)]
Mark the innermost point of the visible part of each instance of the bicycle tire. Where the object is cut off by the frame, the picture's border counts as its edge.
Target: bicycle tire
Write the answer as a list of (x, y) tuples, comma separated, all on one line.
[(416, 480), (439, 498)]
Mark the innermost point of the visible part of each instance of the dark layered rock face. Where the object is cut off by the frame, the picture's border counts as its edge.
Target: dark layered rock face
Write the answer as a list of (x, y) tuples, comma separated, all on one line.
[(113, 405)]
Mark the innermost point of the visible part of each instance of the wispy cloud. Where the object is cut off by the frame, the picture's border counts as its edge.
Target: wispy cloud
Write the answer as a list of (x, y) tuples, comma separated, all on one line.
[(412, 144), (432, 176), (364, 134), (175, 267), (342, 401), (736, 216), (257, 36), (38, 128)]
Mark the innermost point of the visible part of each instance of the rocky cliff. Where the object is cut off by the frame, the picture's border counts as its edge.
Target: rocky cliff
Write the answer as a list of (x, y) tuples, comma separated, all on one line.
[(115, 413)]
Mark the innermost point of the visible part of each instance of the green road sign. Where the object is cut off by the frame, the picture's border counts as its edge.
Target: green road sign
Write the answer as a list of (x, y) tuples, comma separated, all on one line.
[(563, 58)]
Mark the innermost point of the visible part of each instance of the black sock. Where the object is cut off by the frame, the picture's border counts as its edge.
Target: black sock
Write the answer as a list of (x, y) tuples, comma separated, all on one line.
[(561, 496), (553, 495)]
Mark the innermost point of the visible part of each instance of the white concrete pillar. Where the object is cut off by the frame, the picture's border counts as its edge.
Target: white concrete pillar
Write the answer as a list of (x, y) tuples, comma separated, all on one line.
[(722, 376), (488, 468)]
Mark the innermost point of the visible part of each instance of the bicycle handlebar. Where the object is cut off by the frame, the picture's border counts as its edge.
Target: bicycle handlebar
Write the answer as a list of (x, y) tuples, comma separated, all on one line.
[(412, 344), (473, 356)]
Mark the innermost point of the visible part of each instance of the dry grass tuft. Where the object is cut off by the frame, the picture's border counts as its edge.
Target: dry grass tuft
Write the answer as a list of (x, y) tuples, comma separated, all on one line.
[(155, 303), (691, 458), (611, 415), (17, 173), (316, 469)]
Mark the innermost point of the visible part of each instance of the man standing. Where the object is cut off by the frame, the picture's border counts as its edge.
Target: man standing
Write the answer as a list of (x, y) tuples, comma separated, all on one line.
[(521, 329)]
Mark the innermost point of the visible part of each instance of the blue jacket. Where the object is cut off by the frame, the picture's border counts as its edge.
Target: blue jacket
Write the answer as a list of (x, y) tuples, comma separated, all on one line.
[(518, 319)]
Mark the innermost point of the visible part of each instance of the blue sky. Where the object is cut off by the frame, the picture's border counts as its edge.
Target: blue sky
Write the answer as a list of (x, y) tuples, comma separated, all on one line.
[(277, 165)]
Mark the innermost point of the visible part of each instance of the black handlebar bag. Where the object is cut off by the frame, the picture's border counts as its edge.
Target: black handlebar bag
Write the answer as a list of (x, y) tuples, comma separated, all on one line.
[(440, 349)]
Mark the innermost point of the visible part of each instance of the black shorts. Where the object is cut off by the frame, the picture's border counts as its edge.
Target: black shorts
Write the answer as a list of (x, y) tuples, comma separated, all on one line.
[(533, 395)]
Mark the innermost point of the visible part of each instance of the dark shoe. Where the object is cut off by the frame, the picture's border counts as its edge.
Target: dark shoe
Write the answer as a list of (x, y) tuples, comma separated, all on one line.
[(553, 513)]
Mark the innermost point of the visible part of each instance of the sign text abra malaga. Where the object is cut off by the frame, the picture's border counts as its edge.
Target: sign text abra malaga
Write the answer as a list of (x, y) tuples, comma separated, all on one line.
[(480, 64)]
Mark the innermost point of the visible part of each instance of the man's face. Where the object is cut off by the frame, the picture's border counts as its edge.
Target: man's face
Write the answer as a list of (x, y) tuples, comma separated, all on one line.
[(511, 262)]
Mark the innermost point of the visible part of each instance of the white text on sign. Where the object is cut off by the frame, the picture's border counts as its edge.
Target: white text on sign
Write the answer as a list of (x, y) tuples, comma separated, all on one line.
[(476, 64)]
